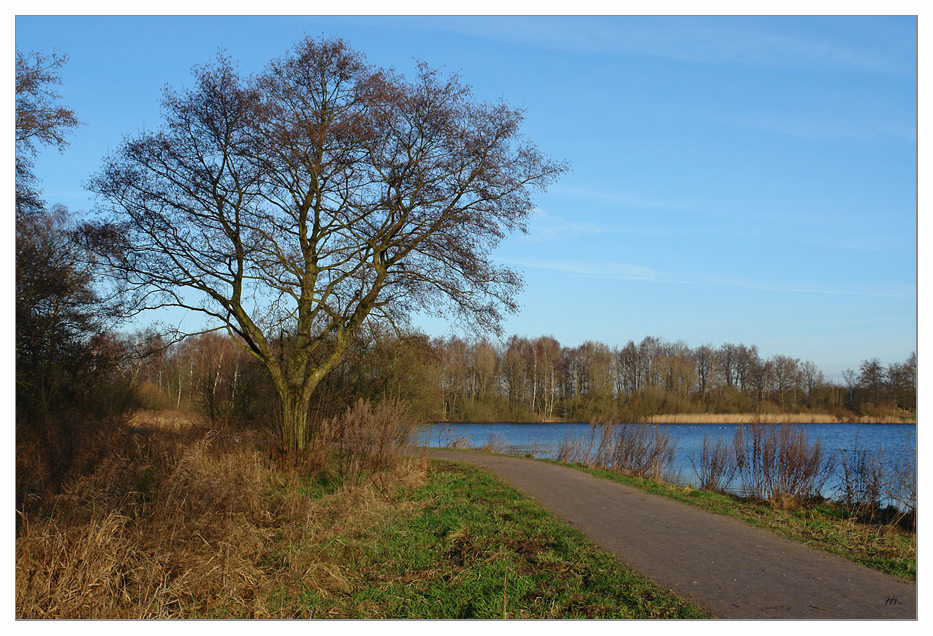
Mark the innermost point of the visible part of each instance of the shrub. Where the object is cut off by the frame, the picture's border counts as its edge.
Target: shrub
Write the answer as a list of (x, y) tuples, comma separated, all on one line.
[(778, 463), (364, 437), (869, 478), (861, 479), (639, 450), (714, 464)]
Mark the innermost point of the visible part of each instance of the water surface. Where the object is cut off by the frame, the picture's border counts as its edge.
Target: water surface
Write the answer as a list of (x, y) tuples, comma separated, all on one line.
[(898, 441)]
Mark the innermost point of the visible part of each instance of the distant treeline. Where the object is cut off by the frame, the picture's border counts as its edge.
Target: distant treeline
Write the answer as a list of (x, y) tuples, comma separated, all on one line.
[(523, 379)]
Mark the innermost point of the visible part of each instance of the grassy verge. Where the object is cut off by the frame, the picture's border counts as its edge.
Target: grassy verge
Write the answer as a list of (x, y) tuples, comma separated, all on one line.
[(475, 548), (825, 526)]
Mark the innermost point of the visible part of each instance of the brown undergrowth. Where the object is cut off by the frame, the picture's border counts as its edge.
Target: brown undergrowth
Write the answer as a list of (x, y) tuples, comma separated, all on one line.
[(172, 519)]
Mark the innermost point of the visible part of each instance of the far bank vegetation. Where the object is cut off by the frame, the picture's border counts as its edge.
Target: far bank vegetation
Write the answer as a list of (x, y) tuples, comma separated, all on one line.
[(533, 380)]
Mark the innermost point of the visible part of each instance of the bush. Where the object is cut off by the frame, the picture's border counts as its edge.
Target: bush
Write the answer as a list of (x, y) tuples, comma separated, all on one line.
[(868, 478), (778, 463), (638, 450), (714, 464), (861, 481), (364, 437)]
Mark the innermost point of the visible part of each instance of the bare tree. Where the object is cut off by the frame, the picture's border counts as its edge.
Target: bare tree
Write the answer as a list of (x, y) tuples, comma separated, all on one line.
[(57, 312), (300, 203), (454, 377), (628, 369), (871, 380), (60, 316), (745, 360), (811, 378), (727, 357), (704, 358), (649, 350), (785, 378), (483, 367), (677, 369), (40, 119), (547, 352)]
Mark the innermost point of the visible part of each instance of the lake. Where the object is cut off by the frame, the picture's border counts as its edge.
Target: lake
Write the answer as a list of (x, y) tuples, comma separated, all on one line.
[(898, 441)]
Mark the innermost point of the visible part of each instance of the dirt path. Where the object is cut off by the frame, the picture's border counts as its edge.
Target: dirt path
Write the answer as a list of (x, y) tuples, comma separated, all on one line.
[(721, 564)]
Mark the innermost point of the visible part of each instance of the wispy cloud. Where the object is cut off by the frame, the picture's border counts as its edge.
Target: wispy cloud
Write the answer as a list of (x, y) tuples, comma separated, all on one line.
[(614, 270), (821, 129), (545, 227), (782, 42), (594, 269), (801, 289), (629, 199)]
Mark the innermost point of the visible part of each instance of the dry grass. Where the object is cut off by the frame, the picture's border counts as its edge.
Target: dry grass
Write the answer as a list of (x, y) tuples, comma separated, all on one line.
[(169, 420), (175, 521)]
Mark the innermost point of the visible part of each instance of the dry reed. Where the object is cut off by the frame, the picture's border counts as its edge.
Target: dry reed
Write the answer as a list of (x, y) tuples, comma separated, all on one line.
[(744, 418), (769, 418)]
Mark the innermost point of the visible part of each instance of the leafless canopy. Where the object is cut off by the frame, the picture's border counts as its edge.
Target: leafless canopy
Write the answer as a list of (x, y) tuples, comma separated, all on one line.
[(40, 119), (320, 193)]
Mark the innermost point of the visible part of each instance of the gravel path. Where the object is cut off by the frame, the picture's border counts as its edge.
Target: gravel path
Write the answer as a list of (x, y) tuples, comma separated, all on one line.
[(733, 570)]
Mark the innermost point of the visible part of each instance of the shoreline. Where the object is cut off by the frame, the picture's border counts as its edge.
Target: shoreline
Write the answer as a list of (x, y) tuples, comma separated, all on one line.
[(710, 420)]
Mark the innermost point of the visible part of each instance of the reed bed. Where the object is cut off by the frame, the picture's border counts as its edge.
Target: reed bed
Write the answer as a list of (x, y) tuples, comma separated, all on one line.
[(769, 418)]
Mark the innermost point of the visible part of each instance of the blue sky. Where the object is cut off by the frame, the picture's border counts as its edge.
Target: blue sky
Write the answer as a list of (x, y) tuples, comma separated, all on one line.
[(734, 179)]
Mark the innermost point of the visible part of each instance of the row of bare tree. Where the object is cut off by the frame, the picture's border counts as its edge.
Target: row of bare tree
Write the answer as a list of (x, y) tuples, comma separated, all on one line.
[(539, 379), (219, 377), (518, 379)]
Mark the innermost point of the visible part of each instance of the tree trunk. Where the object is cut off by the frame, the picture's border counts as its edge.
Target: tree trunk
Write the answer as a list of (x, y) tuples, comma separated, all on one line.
[(294, 421)]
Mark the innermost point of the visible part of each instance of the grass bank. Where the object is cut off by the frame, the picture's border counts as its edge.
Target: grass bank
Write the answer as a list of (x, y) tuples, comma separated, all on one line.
[(165, 519)]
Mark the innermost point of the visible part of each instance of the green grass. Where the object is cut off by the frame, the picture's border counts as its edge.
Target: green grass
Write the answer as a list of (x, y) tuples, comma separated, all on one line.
[(825, 527), (472, 547)]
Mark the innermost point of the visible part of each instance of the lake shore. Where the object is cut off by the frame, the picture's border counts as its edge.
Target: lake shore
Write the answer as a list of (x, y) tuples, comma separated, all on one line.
[(722, 418)]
